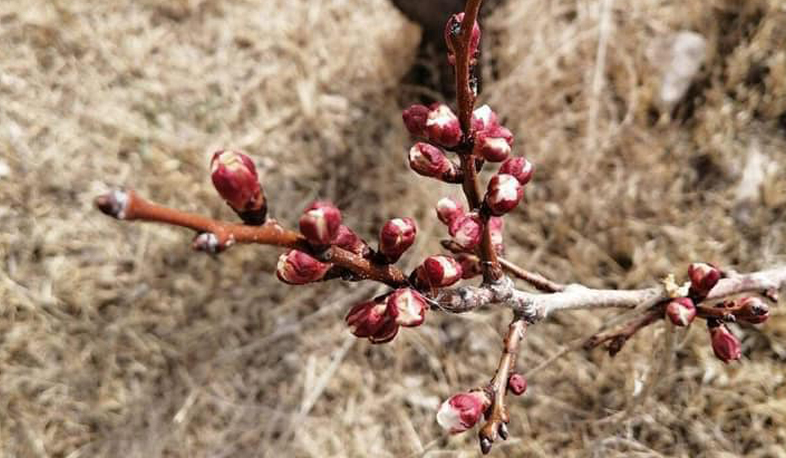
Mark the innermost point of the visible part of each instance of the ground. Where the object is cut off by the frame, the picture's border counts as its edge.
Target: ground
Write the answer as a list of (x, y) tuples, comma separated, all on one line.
[(117, 340)]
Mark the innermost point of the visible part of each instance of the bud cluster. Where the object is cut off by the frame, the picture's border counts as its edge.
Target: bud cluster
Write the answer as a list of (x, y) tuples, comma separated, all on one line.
[(380, 319)]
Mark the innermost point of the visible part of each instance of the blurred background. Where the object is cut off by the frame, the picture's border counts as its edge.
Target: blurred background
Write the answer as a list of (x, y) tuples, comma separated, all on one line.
[(657, 129)]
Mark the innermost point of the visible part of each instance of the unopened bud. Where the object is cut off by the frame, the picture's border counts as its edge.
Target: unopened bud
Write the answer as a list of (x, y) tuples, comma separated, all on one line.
[(504, 194), (703, 278), (386, 333), (408, 306), (483, 118), (462, 411), (415, 118), (367, 318), (320, 223), (517, 384), (496, 227), (208, 243), (430, 161), (442, 126), (348, 240), (493, 144), (681, 311), (753, 310), (396, 236), (235, 178), (725, 345), (298, 268), (448, 210), (519, 167), (453, 35), (440, 271), (466, 231)]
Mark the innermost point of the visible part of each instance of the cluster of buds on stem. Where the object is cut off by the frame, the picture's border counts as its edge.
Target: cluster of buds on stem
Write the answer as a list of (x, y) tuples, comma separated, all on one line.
[(380, 319)]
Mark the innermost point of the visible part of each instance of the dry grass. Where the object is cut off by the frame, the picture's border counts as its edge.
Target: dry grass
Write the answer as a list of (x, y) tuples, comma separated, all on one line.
[(116, 340)]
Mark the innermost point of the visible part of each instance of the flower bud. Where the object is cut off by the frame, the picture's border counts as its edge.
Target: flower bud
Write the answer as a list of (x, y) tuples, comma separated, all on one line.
[(348, 240), (703, 278), (396, 236), (466, 231), (440, 271), (496, 226), (753, 310), (681, 311), (493, 144), (519, 167), (415, 118), (470, 265), (235, 178), (453, 35), (442, 126), (503, 194), (386, 333), (483, 118), (367, 318), (430, 161), (320, 223), (408, 306), (462, 411), (298, 268), (448, 210), (517, 384), (725, 345)]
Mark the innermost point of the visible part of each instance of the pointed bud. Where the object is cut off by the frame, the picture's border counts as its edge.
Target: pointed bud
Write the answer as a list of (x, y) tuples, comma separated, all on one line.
[(449, 209), (504, 194), (466, 231), (348, 240), (453, 36), (298, 268), (496, 226), (517, 384), (415, 118), (462, 411), (519, 167), (430, 161), (408, 306), (442, 126), (440, 271), (725, 345), (396, 236), (703, 278), (681, 311), (320, 223), (470, 265), (753, 310), (235, 178), (366, 318), (483, 118), (493, 144)]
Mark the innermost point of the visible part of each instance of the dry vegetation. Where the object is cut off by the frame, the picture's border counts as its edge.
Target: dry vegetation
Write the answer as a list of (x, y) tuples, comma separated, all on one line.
[(117, 340)]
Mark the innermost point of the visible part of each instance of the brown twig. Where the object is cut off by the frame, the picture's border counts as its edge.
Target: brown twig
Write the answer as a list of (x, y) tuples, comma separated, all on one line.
[(129, 206), (537, 280), (616, 339), (497, 416)]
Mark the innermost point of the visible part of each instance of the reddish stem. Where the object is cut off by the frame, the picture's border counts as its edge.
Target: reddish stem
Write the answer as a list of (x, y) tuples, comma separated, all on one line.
[(616, 339)]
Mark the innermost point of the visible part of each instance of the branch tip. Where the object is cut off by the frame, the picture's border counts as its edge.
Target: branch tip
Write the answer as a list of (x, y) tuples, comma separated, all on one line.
[(113, 203)]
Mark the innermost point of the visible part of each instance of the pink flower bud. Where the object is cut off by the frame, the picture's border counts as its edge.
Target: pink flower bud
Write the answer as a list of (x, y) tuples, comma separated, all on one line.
[(496, 227), (483, 118), (442, 126), (235, 178), (470, 265), (503, 194), (703, 278), (753, 310), (320, 223), (519, 167), (298, 268), (449, 209), (348, 240), (396, 236), (517, 384), (415, 118), (440, 271), (430, 161), (493, 144), (453, 35), (725, 345), (466, 231), (462, 411), (367, 318), (408, 306), (681, 311), (386, 333)]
